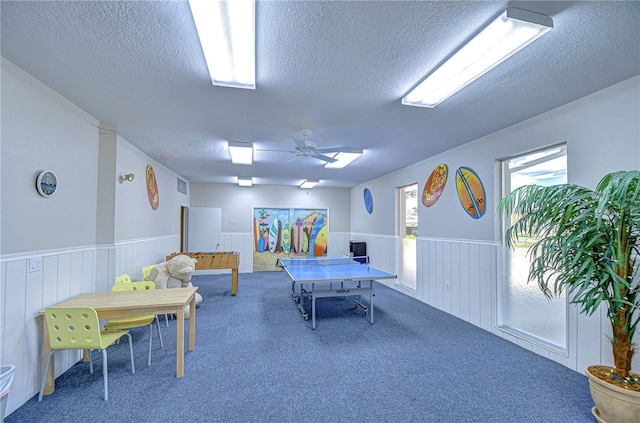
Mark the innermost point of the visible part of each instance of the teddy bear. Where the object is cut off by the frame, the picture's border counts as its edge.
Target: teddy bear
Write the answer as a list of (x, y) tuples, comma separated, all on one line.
[(175, 273)]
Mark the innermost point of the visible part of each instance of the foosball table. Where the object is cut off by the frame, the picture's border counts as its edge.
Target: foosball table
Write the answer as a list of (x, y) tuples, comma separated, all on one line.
[(221, 260)]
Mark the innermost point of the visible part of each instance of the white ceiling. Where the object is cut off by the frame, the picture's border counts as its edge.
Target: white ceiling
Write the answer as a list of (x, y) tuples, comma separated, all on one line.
[(338, 68)]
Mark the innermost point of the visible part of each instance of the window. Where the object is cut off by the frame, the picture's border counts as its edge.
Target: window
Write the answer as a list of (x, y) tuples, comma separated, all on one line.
[(523, 310), (407, 234)]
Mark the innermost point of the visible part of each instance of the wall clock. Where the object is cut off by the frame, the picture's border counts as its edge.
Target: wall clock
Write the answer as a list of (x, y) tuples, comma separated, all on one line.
[(47, 183)]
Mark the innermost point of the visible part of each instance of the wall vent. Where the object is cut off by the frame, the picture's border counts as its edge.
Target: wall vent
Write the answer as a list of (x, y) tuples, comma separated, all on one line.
[(182, 186)]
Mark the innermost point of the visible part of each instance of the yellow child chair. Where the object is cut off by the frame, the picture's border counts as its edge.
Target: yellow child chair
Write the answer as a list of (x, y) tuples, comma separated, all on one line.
[(72, 328), (135, 321), (146, 271), (123, 279)]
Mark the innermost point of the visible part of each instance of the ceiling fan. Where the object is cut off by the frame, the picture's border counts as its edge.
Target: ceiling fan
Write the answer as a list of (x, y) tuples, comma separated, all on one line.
[(306, 148)]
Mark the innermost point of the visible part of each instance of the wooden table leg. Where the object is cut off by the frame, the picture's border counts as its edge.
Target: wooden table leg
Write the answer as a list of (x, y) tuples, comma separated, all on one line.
[(180, 342), (50, 383), (192, 323), (234, 281)]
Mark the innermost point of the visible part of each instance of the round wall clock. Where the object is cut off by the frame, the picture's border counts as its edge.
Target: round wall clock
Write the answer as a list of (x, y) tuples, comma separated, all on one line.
[(47, 183)]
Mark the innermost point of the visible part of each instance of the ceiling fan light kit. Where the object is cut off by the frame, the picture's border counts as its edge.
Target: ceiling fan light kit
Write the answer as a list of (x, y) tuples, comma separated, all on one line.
[(306, 148), (510, 32)]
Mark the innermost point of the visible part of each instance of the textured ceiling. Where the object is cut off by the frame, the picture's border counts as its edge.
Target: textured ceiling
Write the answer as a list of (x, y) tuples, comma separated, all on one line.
[(338, 68)]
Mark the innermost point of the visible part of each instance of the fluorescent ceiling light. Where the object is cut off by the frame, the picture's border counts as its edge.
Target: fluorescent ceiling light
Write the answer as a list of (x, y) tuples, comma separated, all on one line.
[(241, 152), (245, 182), (343, 159), (227, 31), (309, 183), (513, 30)]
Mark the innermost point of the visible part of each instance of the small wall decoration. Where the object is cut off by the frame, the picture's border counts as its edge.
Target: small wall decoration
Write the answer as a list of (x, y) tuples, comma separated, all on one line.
[(152, 188), (470, 192), (47, 183), (368, 201), (435, 185)]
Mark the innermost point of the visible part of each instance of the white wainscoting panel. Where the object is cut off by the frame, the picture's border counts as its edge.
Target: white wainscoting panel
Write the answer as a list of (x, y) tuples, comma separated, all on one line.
[(63, 274), (133, 255)]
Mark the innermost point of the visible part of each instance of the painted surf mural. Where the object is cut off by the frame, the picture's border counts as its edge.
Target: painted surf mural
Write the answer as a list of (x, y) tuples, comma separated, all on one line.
[(288, 232)]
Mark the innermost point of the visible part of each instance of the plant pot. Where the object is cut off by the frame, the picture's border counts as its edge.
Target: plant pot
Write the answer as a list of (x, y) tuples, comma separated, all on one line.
[(613, 404)]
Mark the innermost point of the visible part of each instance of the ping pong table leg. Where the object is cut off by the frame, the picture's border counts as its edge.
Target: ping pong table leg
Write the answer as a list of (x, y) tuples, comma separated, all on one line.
[(313, 307), (371, 295)]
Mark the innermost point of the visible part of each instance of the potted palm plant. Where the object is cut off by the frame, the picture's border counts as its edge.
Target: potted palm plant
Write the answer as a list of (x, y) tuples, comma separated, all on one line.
[(588, 243)]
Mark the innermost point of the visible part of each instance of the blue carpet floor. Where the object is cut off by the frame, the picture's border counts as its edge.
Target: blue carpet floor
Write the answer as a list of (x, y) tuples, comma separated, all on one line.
[(257, 360)]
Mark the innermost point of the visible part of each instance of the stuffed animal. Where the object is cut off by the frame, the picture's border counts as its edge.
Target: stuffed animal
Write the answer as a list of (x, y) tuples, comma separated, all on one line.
[(175, 273)]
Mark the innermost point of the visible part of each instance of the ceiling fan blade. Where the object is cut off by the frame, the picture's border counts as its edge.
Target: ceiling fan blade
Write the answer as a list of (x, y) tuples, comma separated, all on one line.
[(335, 150), (279, 151), (325, 158), (300, 143), (292, 159)]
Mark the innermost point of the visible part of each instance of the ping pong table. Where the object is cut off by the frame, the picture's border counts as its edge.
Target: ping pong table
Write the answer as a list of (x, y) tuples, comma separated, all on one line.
[(310, 272)]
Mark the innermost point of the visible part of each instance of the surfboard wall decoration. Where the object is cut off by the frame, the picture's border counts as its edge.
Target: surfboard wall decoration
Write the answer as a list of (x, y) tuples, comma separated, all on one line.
[(152, 188), (435, 185), (368, 201), (470, 192)]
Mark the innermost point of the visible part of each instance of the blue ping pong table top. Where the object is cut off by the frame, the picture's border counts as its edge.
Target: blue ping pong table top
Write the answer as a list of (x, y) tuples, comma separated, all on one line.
[(330, 269)]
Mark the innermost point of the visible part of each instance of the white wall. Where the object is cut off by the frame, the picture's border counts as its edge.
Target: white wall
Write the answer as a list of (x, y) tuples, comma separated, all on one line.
[(42, 130), (237, 202), (39, 132), (602, 133), (145, 222)]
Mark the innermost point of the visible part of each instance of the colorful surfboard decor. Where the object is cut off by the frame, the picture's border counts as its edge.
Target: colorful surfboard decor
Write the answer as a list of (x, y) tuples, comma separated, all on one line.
[(435, 185), (286, 238), (368, 201), (305, 241), (297, 236), (318, 223), (279, 241), (273, 235), (256, 234), (261, 243), (470, 192), (152, 188), (320, 244)]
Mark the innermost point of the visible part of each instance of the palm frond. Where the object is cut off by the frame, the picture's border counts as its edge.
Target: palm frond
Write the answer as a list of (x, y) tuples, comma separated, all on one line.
[(587, 243)]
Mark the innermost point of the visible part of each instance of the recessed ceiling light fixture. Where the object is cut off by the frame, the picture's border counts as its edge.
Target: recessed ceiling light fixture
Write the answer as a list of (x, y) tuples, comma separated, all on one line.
[(245, 182), (241, 152), (343, 159), (227, 32), (309, 183), (510, 32)]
